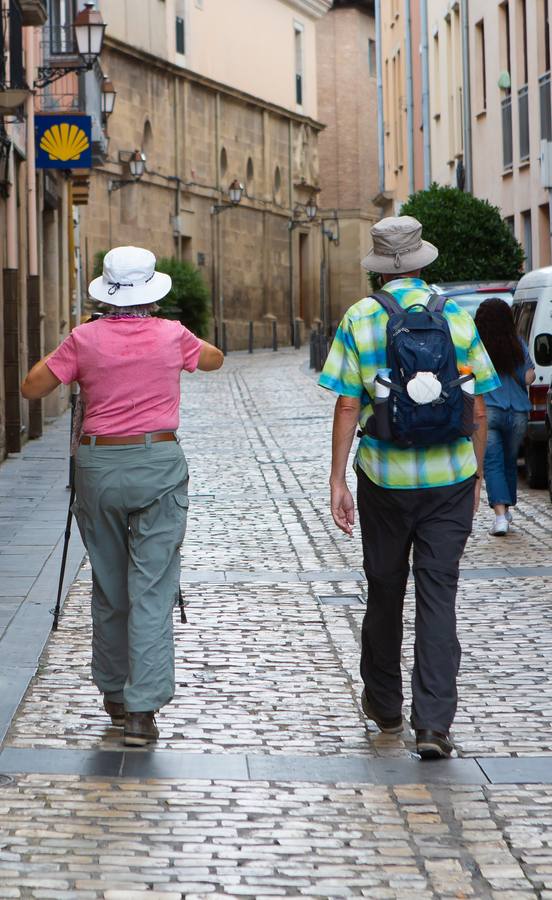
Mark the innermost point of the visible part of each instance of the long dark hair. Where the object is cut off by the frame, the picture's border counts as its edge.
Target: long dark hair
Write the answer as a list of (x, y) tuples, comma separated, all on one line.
[(495, 324)]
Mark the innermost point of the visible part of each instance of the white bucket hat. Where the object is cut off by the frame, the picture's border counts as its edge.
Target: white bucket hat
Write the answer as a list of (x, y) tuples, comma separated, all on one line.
[(129, 278), (398, 247)]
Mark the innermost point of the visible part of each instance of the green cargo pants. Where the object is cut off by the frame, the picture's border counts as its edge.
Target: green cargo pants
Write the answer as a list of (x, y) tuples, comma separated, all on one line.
[(131, 507)]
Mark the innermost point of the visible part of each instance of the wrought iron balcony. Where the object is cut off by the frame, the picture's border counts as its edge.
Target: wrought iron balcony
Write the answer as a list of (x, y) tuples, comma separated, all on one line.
[(13, 85)]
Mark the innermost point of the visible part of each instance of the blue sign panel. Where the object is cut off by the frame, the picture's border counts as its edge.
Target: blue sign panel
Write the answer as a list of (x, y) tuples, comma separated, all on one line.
[(63, 142)]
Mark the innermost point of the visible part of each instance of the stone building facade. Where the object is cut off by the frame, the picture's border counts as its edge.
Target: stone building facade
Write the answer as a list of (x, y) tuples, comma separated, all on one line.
[(347, 104), (261, 258), (510, 49)]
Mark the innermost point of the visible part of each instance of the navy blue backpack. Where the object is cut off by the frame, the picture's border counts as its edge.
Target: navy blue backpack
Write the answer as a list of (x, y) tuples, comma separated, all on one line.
[(419, 340)]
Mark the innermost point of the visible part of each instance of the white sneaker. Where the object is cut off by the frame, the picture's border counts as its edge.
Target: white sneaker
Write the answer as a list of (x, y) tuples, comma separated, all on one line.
[(500, 526), (509, 517)]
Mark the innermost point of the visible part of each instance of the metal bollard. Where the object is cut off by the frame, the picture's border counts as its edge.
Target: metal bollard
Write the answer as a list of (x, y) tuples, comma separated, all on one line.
[(224, 339), (297, 334), (274, 335), (312, 350), (250, 338)]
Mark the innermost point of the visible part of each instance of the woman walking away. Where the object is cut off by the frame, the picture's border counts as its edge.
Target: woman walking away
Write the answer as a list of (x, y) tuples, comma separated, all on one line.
[(131, 479), (507, 407)]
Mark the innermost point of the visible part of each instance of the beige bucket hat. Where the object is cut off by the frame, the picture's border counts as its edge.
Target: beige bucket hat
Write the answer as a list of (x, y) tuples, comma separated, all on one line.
[(398, 247)]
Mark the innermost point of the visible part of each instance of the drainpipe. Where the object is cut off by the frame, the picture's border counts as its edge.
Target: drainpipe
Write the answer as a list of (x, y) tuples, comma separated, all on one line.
[(12, 247), (467, 96), (31, 161), (426, 110), (379, 82), (409, 97), (290, 235)]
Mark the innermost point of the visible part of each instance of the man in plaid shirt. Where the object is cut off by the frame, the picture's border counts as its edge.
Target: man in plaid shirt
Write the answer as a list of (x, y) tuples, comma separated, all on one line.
[(420, 498)]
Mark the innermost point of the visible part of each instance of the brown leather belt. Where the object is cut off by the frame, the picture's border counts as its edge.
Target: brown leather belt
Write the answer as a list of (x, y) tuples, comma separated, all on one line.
[(112, 440)]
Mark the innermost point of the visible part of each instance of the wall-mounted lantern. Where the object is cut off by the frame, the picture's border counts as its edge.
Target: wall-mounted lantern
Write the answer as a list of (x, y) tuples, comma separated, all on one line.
[(137, 167), (89, 28)]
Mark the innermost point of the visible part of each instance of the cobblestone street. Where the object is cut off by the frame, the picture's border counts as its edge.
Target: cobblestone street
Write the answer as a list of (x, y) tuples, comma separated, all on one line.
[(267, 781)]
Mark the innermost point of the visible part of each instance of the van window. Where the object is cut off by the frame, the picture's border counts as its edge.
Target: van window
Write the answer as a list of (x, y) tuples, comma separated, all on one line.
[(524, 319), (543, 350)]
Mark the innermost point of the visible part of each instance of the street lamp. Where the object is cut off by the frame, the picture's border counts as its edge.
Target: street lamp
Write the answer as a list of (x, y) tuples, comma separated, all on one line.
[(137, 167), (89, 28), (137, 164), (235, 192), (89, 32), (109, 95), (311, 209)]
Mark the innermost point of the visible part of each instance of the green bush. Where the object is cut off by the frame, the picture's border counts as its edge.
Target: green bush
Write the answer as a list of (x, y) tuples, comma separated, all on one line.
[(473, 240), (188, 301)]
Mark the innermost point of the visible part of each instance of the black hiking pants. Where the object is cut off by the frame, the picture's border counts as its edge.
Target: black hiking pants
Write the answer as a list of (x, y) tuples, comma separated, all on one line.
[(436, 522)]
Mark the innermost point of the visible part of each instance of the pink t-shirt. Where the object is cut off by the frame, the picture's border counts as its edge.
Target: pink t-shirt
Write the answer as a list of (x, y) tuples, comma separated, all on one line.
[(128, 371)]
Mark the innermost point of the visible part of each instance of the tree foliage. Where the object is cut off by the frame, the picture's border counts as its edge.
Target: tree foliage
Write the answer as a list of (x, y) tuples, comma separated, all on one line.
[(188, 300), (473, 240)]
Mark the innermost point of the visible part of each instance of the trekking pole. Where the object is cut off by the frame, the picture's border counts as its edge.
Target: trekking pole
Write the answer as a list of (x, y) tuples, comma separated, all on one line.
[(64, 557), (183, 618)]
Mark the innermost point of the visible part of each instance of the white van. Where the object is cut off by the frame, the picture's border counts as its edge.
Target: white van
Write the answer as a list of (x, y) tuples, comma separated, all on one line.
[(532, 309)]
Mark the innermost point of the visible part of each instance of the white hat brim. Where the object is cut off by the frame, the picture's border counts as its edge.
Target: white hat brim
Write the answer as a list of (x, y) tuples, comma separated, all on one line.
[(155, 289), (410, 262)]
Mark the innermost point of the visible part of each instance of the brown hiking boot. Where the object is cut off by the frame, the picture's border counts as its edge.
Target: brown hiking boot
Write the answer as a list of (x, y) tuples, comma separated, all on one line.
[(140, 729), (388, 726), (116, 711), (433, 744)]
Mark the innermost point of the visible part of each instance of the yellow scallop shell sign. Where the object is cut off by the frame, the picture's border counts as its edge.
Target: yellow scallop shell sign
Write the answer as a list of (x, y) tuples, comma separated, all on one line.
[(64, 142)]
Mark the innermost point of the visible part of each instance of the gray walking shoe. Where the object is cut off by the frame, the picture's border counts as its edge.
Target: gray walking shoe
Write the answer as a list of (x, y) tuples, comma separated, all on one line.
[(140, 729)]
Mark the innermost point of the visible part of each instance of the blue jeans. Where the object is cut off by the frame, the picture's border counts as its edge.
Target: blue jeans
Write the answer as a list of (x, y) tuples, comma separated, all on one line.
[(507, 430)]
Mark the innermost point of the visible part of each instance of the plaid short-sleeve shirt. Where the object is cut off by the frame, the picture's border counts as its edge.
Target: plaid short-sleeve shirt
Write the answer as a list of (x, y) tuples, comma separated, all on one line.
[(360, 349)]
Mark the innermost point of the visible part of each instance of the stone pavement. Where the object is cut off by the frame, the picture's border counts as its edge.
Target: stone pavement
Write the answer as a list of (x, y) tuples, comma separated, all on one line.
[(267, 780)]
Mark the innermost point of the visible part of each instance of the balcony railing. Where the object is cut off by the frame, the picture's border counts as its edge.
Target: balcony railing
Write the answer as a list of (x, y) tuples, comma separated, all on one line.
[(523, 109), (507, 141), (12, 74), (545, 98)]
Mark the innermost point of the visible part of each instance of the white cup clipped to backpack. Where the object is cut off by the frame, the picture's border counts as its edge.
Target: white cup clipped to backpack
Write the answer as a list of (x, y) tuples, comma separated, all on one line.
[(424, 388)]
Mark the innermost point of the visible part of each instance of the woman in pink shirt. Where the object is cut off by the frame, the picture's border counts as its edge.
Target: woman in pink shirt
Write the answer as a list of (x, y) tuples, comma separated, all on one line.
[(131, 479)]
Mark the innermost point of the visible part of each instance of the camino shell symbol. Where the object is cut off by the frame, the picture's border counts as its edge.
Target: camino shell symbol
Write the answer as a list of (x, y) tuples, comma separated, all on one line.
[(64, 142)]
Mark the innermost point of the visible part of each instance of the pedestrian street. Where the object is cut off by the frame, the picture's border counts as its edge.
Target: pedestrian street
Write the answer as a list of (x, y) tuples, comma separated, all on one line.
[(267, 780)]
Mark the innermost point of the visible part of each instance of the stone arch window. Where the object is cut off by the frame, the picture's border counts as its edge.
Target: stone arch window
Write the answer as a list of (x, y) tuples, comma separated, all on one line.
[(250, 176), (223, 162), (147, 139), (277, 185)]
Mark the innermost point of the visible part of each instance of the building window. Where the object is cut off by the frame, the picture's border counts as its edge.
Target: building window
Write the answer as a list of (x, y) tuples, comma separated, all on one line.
[(522, 25), (277, 185), (180, 36), (223, 162), (481, 67), (372, 64), (546, 35), (180, 27), (249, 177), (511, 223), (61, 15), (505, 43), (299, 70)]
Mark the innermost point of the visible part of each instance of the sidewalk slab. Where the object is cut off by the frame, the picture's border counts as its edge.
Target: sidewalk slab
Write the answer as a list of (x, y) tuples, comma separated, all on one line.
[(33, 508)]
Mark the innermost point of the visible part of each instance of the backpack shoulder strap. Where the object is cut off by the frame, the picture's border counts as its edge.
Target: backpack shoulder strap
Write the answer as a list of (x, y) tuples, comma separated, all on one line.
[(388, 302), (437, 303)]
